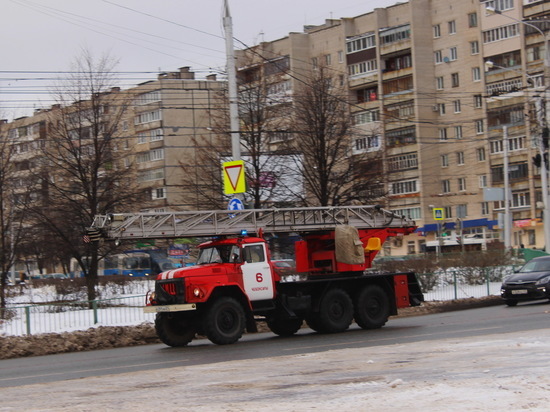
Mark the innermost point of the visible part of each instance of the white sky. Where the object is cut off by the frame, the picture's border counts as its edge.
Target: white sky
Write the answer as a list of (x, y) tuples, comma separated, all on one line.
[(145, 36)]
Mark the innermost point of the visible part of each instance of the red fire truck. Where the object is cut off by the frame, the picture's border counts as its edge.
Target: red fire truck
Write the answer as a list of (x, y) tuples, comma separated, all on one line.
[(234, 283)]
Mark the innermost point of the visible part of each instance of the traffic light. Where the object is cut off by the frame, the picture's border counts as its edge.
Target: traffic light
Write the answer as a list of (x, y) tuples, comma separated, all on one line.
[(545, 135), (537, 160)]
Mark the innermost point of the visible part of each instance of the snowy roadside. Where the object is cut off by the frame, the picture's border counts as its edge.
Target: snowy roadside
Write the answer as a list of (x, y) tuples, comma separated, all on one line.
[(120, 336), (494, 372)]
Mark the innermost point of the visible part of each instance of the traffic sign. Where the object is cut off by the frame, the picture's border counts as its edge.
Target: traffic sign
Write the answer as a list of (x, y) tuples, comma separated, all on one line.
[(235, 204), (439, 213), (234, 177)]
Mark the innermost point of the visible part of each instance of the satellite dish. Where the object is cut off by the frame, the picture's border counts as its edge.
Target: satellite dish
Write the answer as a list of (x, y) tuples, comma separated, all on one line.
[(446, 60)]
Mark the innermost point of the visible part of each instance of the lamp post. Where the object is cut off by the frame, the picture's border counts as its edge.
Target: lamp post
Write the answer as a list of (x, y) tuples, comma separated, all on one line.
[(544, 172)]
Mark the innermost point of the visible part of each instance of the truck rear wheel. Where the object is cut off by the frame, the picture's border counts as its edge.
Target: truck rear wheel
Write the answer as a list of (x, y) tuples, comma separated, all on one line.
[(284, 326), (224, 321), (175, 329), (372, 308), (335, 312)]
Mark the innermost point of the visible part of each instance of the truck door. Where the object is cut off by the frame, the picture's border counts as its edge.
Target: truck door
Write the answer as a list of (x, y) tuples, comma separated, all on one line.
[(257, 276)]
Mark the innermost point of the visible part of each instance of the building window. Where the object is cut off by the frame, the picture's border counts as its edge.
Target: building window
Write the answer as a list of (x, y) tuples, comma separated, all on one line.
[(500, 4), (461, 211), (481, 154), (438, 56), (478, 101), (411, 247), (444, 160), (146, 98), (439, 83), (340, 56), (501, 33), (147, 117), (363, 42), (441, 108), (452, 27), (482, 181), (398, 63), (362, 68), (453, 53), (366, 117), (456, 104), (409, 186), (367, 95), (403, 162), (461, 184), (367, 144), (458, 132), (479, 127), (443, 133), (328, 59), (474, 47), (399, 85), (446, 186), (448, 212), (437, 31), (460, 158), (455, 80), (148, 175), (484, 208), (472, 20), (411, 212), (158, 193), (395, 34), (404, 136), (476, 74)]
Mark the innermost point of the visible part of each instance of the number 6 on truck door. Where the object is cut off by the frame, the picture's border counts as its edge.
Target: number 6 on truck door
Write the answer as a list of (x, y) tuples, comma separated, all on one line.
[(257, 278)]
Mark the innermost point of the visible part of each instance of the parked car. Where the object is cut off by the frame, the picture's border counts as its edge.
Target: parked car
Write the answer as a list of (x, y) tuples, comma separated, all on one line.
[(531, 282)]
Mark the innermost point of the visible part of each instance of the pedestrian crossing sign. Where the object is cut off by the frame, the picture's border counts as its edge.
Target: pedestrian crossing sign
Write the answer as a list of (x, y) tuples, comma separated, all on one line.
[(439, 213)]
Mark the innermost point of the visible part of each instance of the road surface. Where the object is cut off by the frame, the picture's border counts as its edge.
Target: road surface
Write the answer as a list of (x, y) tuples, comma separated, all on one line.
[(475, 360)]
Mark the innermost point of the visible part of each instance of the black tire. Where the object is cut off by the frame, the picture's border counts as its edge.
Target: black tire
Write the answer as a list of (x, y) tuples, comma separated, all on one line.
[(175, 329), (511, 302), (224, 321), (284, 326), (372, 307), (335, 312)]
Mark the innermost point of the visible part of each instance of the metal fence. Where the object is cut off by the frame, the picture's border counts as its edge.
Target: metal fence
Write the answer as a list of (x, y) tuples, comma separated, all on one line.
[(450, 284), (71, 316)]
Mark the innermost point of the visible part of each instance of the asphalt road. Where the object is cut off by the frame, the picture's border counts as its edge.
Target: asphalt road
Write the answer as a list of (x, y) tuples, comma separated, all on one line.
[(416, 331)]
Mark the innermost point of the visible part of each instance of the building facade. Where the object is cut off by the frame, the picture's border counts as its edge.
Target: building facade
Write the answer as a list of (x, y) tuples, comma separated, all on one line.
[(431, 85)]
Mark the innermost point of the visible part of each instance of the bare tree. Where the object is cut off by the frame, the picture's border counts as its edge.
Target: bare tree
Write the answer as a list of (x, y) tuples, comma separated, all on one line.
[(13, 204), (83, 167), (333, 174), (261, 116)]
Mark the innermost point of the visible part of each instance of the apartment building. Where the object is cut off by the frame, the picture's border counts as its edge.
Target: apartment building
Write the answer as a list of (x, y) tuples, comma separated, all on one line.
[(171, 120), (420, 95)]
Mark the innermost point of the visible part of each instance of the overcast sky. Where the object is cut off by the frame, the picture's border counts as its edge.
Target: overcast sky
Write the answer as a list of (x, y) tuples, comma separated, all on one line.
[(42, 37)]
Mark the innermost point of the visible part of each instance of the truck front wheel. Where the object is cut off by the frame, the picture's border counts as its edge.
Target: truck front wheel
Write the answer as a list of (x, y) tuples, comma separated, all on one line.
[(175, 329), (224, 321), (372, 308), (335, 312)]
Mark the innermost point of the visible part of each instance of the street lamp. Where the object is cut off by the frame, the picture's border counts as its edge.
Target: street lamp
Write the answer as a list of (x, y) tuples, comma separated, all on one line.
[(544, 176)]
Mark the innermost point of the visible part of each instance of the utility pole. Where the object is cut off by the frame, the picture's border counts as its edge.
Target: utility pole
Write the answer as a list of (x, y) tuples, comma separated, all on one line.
[(507, 228), (232, 84)]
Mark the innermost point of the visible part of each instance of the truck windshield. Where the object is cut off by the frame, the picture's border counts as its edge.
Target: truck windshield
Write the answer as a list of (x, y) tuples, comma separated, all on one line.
[(219, 254)]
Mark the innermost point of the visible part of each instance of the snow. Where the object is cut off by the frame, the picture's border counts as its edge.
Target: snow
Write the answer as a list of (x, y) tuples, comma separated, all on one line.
[(131, 298), (507, 371)]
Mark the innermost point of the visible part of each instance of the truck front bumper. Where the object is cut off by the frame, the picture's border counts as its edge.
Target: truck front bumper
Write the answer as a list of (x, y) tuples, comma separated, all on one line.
[(170, 308)]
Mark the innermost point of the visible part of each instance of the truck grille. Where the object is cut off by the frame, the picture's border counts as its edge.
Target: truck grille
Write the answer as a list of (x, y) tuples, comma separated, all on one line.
[(170, 292)]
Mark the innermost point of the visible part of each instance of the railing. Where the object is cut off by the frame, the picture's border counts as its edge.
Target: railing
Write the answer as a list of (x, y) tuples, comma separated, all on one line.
[(452, 284), (71, 316)]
